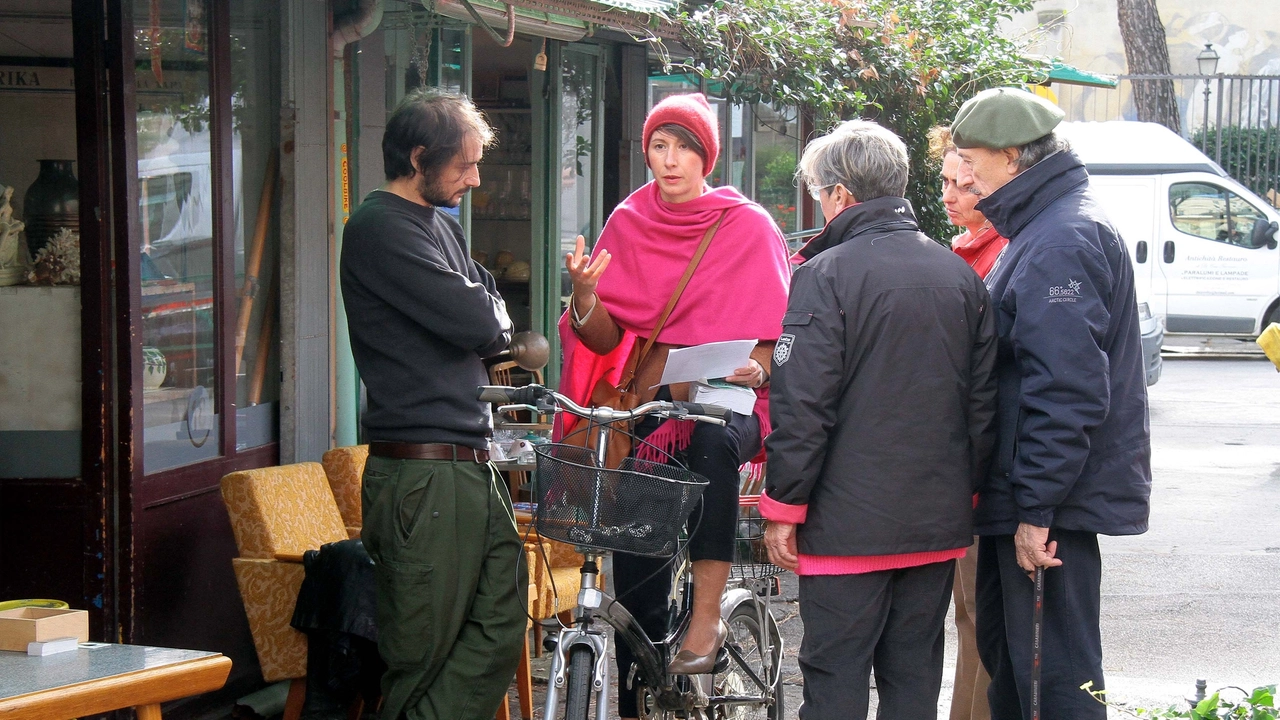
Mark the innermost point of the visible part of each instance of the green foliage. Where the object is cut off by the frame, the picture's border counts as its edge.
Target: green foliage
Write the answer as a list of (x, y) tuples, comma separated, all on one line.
[(1257, 705), (907, 64), (775, 184), (1248, 154)]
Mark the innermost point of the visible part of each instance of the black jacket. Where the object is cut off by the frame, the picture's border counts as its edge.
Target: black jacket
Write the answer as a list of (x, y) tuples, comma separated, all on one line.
[(882, 396), (422, 314), (1074, 448)]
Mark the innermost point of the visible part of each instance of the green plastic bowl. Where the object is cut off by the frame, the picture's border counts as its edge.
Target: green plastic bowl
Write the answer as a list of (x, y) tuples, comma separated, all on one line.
[(49, 604)]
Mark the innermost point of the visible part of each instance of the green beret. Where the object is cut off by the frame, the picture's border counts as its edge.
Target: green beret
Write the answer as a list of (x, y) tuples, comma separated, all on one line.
[(1004, 118)]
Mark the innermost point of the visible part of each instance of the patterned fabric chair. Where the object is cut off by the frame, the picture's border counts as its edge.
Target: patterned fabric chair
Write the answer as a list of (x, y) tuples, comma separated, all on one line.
[(278, 513), (345, 467), (555, 573)]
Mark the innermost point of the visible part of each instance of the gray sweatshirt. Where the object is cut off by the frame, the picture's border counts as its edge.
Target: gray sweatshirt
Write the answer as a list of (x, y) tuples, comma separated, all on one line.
[(422, 315)]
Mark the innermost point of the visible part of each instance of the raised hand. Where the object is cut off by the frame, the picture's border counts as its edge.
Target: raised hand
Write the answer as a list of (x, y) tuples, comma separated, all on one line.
[(585, 272)]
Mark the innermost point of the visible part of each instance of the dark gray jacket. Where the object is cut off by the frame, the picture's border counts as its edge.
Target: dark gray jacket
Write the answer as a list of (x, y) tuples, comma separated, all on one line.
[(422, 315), (1074, 448), (882, 395)]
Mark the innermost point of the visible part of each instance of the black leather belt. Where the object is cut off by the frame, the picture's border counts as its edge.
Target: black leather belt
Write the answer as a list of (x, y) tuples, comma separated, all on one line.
[(427, 451)]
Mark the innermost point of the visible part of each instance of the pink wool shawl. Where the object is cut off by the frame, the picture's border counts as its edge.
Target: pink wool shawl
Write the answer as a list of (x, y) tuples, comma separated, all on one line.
[(738, 292)]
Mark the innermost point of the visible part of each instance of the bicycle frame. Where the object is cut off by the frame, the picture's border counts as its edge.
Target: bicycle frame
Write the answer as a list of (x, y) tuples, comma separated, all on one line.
[(595, 604)]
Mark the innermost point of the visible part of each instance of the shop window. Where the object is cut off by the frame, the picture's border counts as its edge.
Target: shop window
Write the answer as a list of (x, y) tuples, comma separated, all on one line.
[(182, 238), (255, 150), (1213, 213), (180, 384), (579, 174), (776, 146), (40, 307)]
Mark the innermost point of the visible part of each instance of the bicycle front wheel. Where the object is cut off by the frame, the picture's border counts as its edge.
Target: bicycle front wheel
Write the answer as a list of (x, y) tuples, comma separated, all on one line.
[(753, 646), (582, 663)]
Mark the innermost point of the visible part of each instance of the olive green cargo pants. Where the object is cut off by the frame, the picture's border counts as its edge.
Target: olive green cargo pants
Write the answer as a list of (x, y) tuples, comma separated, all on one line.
[(451, 586)]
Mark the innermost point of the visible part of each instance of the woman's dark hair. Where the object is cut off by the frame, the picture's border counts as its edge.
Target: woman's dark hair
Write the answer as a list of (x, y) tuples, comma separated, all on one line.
[(435, 121), (682, 134)]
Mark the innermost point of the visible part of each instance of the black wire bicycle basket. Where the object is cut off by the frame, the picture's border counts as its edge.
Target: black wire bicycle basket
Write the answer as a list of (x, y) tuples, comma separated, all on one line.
[(750, 557), (638, 508)]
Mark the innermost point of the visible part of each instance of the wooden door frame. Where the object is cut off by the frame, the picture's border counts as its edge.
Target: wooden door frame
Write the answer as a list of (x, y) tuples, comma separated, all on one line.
[(102, 145)]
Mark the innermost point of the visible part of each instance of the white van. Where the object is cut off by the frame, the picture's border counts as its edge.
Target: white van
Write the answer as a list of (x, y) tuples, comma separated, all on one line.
[(1203, 246)]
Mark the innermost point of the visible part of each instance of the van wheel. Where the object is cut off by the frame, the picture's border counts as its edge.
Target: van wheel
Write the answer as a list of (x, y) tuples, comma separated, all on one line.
[(1273, 317)]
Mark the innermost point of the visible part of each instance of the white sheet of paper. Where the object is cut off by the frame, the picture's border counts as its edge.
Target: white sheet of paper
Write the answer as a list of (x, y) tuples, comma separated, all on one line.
[(712, 360)]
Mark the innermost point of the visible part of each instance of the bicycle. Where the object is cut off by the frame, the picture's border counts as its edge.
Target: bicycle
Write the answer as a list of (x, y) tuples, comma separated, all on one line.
[(641, 507)]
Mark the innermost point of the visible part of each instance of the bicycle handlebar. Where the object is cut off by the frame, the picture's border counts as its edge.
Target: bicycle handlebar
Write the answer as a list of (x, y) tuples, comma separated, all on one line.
[(527, 395), (536, 394)]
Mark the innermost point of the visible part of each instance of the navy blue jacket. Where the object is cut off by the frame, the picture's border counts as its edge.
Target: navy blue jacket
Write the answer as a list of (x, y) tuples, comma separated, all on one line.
[(1074, 446)]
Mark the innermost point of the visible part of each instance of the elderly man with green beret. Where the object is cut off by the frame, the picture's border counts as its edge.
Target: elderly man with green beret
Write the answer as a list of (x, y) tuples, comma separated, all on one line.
[(1073, 455)]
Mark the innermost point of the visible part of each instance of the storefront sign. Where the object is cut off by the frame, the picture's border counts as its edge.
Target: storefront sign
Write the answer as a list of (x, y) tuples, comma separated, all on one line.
[(18, 78)]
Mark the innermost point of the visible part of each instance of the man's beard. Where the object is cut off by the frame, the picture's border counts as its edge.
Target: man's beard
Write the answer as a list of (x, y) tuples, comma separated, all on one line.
[(433, 194)]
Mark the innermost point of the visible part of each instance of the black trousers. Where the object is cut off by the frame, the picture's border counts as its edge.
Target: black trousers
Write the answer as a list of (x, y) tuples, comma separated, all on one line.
[(891, 621), (716, 453), (1071, 639)]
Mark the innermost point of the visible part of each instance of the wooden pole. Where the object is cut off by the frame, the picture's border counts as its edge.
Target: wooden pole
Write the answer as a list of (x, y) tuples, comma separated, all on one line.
[(254, 265), (264, 345)]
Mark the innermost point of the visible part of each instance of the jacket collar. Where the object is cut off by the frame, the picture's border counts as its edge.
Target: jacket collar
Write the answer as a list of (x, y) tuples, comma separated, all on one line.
[(1013, 206), (883, 214)]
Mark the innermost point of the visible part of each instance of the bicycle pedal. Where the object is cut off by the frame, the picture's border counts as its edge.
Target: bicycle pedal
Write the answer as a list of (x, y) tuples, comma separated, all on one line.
[(722, 661)]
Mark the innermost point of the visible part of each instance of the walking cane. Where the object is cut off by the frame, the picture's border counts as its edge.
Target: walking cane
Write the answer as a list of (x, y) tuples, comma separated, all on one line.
[(1037, 648)]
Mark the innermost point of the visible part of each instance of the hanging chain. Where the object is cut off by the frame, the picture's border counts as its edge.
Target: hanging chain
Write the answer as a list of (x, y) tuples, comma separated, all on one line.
[(423, 29)]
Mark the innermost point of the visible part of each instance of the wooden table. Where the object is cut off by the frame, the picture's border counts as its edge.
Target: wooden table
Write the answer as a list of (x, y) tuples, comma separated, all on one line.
[(101, 677)]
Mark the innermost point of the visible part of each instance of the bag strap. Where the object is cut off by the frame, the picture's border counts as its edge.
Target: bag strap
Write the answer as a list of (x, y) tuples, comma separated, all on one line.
[(675, 298)]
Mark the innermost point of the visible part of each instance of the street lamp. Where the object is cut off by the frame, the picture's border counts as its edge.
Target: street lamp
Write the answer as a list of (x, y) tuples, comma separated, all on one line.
[(1207, 61)]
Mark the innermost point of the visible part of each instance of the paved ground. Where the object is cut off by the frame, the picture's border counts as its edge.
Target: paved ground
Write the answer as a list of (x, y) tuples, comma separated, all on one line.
[(1198, 596)]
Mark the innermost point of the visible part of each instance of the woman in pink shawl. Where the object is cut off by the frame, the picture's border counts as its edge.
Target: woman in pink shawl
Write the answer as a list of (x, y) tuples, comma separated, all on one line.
[(739, 291)]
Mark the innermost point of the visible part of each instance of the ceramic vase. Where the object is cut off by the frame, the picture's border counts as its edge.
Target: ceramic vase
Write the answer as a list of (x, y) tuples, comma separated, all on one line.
[(51, 203), (154, 368)]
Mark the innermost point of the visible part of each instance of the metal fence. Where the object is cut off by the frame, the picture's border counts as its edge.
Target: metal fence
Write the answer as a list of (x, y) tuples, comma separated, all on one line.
[(1234, 119)]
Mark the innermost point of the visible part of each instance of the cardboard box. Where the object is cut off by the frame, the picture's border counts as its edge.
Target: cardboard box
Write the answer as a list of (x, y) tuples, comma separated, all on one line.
[(26, 625)]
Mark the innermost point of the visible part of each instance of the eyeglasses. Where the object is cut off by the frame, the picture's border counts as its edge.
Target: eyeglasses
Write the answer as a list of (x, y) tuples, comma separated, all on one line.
[(816, 192)]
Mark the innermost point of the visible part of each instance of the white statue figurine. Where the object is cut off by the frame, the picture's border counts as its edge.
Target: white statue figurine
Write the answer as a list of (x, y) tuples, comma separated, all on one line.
[(13, 252)]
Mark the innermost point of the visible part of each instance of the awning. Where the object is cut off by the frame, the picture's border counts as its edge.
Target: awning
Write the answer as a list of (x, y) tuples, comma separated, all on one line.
[(1068, 75), (528, 21), (565, 19), (640, 6)]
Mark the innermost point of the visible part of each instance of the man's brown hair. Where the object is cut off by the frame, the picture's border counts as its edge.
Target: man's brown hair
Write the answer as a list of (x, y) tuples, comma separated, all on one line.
[(436, 121)]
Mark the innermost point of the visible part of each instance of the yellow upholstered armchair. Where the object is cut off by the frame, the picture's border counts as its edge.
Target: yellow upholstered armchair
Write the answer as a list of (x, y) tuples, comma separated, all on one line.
[(345, 467), (555, 575), (278, 513)]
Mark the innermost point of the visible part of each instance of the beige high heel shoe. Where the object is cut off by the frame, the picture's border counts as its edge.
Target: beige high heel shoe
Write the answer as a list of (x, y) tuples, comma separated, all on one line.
[(687, 663)]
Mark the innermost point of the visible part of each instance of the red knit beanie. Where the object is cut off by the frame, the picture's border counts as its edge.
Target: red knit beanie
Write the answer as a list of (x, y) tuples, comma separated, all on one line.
[(693, 113)]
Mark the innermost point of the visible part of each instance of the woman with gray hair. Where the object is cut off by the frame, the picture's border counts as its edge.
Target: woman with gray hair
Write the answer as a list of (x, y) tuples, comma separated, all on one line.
[(883, 402)]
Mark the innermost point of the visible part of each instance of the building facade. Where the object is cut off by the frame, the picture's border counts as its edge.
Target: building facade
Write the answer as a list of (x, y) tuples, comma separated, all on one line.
[(195, 161)]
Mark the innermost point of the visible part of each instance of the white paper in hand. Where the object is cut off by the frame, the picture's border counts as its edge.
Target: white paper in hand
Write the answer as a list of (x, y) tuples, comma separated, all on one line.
[(712, 360)]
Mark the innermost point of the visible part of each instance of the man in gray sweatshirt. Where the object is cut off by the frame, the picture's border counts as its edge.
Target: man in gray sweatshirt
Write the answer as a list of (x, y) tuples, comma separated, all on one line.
[(437, 518)]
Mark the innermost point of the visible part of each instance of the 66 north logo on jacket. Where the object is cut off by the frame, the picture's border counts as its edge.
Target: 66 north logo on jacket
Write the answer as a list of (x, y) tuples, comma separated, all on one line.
[(782, 351), (1064, 293)]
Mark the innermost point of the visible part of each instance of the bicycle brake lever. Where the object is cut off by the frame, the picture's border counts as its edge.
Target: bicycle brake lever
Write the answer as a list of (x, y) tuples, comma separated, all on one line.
[(514, 408)]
